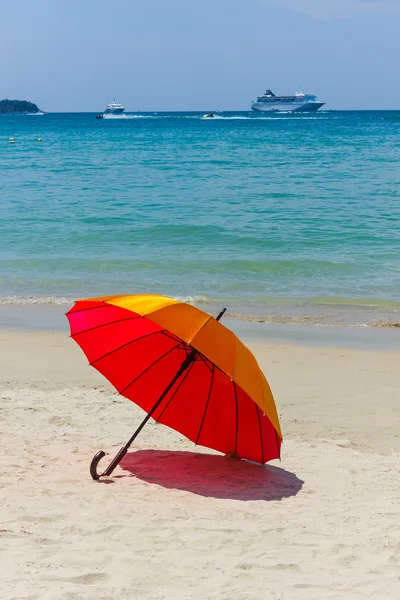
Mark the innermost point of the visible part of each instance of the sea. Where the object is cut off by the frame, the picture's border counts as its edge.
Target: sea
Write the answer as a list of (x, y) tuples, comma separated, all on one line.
[(281, 218)]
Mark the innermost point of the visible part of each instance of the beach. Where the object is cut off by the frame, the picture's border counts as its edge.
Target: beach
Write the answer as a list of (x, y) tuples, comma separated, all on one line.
[(262, 215), (176, 521)]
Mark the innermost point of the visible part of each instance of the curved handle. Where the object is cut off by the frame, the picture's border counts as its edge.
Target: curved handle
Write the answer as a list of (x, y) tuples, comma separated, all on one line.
[(93, 465), (115, 461)]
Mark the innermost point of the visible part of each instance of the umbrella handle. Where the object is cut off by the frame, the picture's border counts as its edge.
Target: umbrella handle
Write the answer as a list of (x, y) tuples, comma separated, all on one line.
[(115, 461), (93, 465)]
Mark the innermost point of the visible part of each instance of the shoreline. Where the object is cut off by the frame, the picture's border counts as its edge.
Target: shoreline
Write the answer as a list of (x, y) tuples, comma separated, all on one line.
[(51, 317)]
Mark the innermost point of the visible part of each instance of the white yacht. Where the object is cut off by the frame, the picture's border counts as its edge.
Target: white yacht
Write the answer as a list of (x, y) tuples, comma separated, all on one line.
[(114, 108)]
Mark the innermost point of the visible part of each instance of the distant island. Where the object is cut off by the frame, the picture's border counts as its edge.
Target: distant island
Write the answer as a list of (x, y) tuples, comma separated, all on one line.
[(18, 106)]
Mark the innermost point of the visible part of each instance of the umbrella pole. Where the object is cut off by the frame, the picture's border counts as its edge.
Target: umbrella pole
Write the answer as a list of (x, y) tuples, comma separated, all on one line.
[(117, 459)]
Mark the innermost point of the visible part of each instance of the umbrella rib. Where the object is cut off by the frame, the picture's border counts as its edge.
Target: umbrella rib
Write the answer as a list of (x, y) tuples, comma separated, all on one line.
[(101, 304), (260, 429), (167, 333), (204, 360), (237, 415), (124, 345), (149, 367), (105, 325), (206, 406), (200, 328), (176, 391)]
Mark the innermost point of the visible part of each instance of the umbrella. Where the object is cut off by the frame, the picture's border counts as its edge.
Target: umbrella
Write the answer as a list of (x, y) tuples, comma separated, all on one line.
[(184, 368)]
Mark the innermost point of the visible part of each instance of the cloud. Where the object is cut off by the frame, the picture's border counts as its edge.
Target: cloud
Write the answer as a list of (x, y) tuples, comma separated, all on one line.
[(335, 9)]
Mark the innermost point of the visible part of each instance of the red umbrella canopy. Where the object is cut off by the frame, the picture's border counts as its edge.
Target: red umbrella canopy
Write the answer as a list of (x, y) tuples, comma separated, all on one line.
[(183, 368)]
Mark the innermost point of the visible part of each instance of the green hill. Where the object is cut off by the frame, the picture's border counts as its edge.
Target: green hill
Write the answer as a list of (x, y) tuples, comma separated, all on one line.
[(18, 106)]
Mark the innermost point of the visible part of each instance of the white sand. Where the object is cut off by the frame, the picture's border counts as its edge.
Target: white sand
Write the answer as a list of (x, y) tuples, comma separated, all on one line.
[(190, 524)]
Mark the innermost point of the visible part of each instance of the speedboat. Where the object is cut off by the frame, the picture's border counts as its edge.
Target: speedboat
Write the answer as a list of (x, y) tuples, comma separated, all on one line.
[(114, 108)]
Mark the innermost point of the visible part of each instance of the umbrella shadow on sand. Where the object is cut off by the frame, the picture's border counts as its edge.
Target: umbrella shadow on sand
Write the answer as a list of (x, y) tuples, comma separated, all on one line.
[(211, 475)]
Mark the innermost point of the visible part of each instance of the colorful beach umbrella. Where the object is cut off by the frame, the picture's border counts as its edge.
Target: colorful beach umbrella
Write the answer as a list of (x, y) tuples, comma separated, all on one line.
[(184, 368)]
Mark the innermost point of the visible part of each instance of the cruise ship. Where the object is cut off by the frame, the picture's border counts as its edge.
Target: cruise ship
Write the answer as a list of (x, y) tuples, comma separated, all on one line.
[(114, 108), (300, 102)]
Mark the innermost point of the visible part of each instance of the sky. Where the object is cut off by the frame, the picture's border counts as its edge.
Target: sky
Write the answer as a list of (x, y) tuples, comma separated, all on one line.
[(155, 55)]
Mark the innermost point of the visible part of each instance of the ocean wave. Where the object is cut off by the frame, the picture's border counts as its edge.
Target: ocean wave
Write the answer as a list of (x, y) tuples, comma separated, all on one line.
[(335, 318), (217, 117), (30, 300), (193, 300), (127, 117), (256, 119), (63, 300)]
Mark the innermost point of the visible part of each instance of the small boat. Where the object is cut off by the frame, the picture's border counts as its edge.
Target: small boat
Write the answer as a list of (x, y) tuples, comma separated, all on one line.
[(114, 108), (208, 116)]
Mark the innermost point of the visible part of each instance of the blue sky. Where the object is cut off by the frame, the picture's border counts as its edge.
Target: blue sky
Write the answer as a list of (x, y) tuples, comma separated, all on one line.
[(75, 55)]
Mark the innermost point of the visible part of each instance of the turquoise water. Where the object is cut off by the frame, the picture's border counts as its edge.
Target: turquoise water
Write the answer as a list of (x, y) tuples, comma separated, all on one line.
[(286, 219)]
